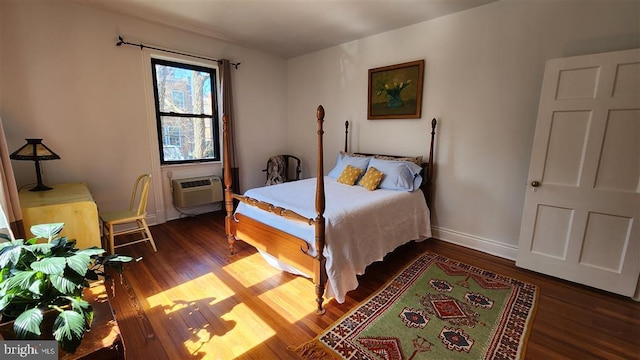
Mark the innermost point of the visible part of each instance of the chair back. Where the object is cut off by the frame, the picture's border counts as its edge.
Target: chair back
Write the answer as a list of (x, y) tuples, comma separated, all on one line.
[(140, 194), (278, 169)]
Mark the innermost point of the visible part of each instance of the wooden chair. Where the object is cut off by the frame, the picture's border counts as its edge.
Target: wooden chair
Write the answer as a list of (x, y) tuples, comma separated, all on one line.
[(278, 169), (135, 215)]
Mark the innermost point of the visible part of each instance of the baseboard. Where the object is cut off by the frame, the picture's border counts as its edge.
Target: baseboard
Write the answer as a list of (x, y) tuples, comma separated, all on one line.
[(152, 219), (475, 242)]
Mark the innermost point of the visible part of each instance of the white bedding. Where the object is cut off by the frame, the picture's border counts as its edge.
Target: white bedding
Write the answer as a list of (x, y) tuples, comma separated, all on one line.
[(362, 226)]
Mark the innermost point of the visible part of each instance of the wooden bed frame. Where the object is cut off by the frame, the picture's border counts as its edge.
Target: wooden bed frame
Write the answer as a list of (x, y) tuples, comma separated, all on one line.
[(285, 247)]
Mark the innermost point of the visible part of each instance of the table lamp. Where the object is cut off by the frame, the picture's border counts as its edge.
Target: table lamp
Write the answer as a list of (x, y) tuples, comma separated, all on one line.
[(35, 150)]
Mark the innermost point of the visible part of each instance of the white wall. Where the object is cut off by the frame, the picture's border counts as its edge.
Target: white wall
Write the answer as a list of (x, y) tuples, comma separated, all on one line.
[(63, 79), (483, 76)]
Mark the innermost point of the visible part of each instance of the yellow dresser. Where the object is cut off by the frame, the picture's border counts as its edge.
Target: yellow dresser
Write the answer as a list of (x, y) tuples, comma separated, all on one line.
[(71, 204)]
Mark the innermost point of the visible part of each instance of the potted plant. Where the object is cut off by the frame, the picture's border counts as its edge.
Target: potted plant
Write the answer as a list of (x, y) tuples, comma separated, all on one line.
[(46, 280)]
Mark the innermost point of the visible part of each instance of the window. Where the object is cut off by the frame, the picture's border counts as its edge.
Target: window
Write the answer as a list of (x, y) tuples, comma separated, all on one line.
[(186, 112), (178, 98), (171, 135)]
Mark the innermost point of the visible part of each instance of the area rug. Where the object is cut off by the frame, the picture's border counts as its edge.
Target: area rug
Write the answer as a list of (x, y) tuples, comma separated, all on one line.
[(435, 308)]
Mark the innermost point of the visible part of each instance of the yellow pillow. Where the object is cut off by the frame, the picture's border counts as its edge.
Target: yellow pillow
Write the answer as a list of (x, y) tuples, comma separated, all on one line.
[(349, 175), (371, 178)]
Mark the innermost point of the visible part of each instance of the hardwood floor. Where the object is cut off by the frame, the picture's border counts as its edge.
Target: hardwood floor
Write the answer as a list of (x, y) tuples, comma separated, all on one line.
[(192, 301)]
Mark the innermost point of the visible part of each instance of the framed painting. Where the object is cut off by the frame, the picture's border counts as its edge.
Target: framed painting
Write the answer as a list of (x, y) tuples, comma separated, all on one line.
[(395, 91)]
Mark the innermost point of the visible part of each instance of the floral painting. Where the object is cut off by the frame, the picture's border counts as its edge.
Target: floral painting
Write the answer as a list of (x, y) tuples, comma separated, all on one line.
[(395, 92)]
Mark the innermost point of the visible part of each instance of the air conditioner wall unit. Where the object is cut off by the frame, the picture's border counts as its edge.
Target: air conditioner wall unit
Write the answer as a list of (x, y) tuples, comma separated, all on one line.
[(196, 191)]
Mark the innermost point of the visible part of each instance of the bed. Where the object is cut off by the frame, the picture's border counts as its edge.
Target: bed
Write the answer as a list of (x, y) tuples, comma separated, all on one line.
[(326, 230)]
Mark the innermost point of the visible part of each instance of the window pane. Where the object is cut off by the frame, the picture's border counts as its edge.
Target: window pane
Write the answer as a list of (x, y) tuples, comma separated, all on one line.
[(183, 91), (187, 138)]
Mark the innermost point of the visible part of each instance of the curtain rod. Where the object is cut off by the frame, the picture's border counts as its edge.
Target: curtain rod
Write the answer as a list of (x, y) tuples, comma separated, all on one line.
[(142, 46)]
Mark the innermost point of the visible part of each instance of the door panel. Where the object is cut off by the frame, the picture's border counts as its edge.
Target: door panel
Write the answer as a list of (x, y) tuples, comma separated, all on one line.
[(567, 139), (551, 233), (607, 255), (619, 165), (582, 206)]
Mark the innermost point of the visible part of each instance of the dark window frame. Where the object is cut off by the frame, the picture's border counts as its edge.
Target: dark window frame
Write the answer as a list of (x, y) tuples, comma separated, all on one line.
[(215, 136)]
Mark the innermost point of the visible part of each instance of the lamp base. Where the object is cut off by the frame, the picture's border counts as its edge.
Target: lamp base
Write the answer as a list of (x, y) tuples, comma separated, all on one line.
[(40, 187)]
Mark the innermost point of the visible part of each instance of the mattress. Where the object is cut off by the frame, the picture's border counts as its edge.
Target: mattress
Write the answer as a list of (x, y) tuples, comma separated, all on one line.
[(361, 226)]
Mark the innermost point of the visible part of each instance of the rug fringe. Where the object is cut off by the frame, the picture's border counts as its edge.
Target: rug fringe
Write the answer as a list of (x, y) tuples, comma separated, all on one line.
[(311, 350)]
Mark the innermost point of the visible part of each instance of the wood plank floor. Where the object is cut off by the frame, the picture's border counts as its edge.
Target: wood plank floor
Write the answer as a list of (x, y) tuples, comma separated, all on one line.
[(192, 301)]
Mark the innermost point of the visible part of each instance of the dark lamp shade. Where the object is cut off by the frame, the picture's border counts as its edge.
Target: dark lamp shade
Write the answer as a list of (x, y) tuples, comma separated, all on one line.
[(34, 149)]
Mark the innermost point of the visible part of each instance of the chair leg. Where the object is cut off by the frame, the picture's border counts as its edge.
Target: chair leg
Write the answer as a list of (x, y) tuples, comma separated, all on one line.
[(111, 240), (148, 233), (103, 236)]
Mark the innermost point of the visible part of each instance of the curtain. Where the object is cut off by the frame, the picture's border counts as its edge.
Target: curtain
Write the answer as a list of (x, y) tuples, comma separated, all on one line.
[(8, 190), (227, 108)]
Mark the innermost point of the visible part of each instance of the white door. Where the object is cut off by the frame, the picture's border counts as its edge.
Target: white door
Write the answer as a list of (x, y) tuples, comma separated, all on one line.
[(582, 206)]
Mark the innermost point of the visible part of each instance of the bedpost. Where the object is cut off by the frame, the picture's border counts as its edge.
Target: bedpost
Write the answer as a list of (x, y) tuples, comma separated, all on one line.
[(228, 193), (346, 135), (430, 163), (320, 270)]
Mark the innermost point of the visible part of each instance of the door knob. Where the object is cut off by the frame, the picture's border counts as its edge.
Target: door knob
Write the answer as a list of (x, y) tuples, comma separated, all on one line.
[(535, 183)]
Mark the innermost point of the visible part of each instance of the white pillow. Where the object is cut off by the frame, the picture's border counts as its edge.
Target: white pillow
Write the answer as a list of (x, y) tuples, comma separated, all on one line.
[(342, 160), (398, 175)]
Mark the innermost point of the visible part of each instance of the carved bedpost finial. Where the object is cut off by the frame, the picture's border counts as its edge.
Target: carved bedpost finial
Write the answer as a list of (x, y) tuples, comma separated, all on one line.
[(346, 135), (320, 112)]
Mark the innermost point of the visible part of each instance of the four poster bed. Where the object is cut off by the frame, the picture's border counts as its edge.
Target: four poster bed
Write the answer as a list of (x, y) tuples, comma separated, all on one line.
[(286, 222)]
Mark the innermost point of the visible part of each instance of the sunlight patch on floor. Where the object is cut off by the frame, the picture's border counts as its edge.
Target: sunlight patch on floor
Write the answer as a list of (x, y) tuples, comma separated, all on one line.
[(178, 297), (235, 341), (293, 301), (247, 273)]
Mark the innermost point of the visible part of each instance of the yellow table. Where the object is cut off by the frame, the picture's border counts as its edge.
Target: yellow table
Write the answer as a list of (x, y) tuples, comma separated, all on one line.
[(71, 204)]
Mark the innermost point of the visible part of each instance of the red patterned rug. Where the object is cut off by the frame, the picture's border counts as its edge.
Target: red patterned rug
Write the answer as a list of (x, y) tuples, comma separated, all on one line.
[(435, 308)]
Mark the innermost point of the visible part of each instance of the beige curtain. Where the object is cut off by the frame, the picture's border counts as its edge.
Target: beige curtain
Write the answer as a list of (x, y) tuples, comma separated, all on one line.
[(227, 108), (8, 189)]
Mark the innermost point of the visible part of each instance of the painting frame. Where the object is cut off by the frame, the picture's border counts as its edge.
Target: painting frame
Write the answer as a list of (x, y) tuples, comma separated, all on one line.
[(387, 97)]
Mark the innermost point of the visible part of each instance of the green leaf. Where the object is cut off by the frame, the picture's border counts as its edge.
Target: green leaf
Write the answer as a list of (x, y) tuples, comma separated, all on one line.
[(79, 263), (42, 248), (11, 254), (4, 274), (21, 279), (63, 246), (27, 325), (36, 287), (121, 259), (5, 301), (65, 285), (82, 306), (78, 304), (11, 243), (47, 231), (51, 266), (92, 251), (68, 330)]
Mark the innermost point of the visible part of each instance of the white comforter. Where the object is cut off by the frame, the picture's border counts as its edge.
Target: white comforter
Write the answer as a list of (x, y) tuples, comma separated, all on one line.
[(362, 226)]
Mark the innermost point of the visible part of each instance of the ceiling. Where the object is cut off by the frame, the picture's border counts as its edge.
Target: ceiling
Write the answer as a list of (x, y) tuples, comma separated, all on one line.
[(285, 28)]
